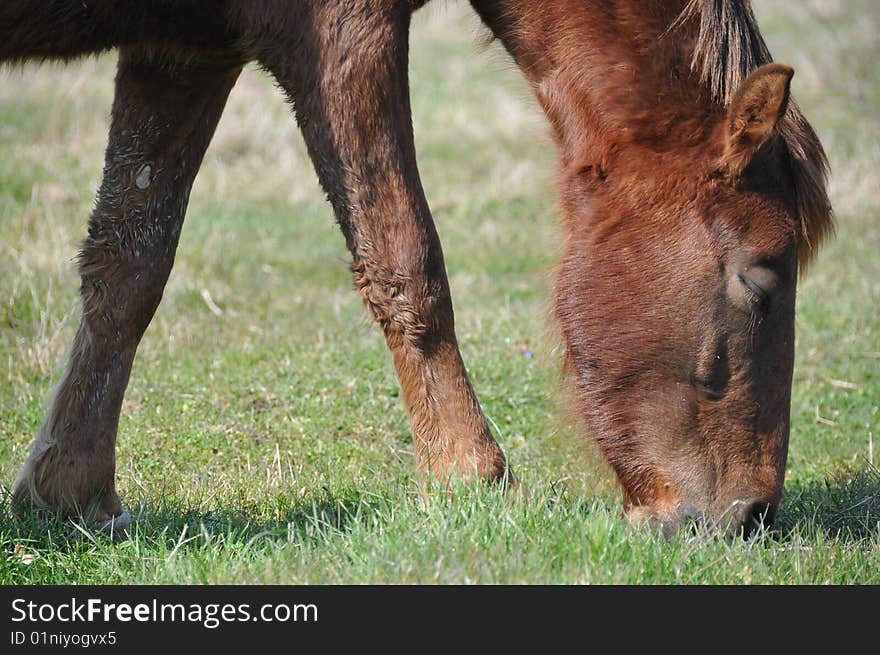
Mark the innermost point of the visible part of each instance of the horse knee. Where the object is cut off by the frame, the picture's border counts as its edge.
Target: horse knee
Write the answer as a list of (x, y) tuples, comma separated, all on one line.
[(414, 309), (120, 290)]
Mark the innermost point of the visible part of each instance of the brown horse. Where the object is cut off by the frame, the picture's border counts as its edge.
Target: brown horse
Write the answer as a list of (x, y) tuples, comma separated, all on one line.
[(691, 190)]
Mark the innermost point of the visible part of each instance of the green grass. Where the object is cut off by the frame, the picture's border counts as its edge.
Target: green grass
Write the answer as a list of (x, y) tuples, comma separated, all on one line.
[(268, 444)]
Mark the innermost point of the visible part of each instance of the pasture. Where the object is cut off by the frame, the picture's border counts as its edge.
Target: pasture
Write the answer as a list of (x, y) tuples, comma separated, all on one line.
[(262, 438)]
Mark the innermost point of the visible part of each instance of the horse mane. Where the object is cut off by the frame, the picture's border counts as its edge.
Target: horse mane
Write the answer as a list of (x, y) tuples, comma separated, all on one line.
[(729, 46)]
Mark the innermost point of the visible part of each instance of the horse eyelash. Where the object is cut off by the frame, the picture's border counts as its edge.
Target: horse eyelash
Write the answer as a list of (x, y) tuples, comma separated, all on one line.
[(756, 296)]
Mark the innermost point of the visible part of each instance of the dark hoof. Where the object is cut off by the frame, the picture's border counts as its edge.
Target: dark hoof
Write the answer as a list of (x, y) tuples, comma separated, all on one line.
[(117, 527)]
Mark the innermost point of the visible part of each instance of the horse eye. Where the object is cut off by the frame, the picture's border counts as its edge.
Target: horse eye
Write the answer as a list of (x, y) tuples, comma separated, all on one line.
[(756, 295)]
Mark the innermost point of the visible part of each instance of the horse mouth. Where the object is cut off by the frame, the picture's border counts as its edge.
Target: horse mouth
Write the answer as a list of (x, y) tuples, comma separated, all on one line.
[(742, 518)]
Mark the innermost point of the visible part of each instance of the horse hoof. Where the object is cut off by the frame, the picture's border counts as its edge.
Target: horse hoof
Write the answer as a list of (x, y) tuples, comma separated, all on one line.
[(117, 527)]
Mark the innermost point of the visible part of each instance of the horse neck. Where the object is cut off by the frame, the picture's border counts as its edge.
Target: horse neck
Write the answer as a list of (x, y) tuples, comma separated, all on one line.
[(611, 76)]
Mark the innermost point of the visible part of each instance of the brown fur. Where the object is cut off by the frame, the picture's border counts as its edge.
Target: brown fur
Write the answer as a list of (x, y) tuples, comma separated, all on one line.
[(690, 187), (673, 192), (161, 124), (728, 47)]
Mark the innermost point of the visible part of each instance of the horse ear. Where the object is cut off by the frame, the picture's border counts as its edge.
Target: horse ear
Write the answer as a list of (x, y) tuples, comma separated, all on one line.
[(756, 108)]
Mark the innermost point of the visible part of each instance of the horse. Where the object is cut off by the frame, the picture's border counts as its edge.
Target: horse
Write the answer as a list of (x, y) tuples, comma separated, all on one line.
[(692, 194)]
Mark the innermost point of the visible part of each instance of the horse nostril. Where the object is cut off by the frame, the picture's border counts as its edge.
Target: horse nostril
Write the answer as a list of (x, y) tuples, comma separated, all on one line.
[(689, 514), (750, 516), (687, 517)]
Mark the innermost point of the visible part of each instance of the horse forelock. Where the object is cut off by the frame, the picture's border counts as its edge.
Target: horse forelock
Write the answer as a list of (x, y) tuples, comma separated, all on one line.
[(728, 47)]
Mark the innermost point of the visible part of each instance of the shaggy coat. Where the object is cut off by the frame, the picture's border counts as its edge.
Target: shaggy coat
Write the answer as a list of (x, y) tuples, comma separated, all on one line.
[(691, 189)]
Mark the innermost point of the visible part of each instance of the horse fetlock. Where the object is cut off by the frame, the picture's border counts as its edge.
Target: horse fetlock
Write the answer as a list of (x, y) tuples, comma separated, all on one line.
[(453, 439), (70, 482), (474, 456)]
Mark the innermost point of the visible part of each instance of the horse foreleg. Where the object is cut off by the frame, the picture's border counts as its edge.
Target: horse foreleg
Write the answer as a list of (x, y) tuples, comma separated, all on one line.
[(346, 73), (163, 118)]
